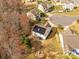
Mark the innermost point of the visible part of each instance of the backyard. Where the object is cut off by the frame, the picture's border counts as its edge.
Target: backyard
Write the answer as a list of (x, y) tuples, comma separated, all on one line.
[(52, 49)]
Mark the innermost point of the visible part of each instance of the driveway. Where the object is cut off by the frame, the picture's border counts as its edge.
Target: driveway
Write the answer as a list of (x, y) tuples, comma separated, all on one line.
[(62, 19)]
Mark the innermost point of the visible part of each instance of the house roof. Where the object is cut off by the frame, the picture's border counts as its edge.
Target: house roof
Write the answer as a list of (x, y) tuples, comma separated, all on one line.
[(72, 40), (62, 19), (44, 4), (33, 11), (39, 29)]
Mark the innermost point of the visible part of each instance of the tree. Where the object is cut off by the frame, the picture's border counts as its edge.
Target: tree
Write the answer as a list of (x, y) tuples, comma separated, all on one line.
[(25, 40), (11, 30), (25, 24)]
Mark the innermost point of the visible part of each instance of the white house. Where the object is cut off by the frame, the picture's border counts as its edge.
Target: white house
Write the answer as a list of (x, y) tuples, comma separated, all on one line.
[(41, 32), (68, 6), (40, 7), (44, 6), (33, 14)]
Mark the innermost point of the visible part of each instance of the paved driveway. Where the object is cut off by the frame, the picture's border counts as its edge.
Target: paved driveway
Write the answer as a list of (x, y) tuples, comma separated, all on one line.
[(62, 19)]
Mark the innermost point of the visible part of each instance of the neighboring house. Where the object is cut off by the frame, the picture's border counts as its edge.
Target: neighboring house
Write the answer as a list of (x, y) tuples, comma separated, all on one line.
[(76, 2), (33, 14), (41, 32), (69, 6), (36, 14), (70, 42), (45, 7)]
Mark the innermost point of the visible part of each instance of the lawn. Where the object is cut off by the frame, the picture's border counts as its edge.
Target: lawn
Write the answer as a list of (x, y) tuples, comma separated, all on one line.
[(75, 12), (42, 22), (58, 7), (52, 47)]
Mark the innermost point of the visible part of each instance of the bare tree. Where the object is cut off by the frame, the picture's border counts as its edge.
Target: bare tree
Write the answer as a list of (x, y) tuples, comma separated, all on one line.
[(11, 28)]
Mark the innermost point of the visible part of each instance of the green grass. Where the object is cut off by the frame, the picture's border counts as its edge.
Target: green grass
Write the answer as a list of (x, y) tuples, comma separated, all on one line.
[(58, 7), (75, 12), (42, 22), (73, 56)]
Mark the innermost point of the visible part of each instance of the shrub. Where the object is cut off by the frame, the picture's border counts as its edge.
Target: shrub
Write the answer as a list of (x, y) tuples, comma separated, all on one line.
[(43, 15), (25, 40)]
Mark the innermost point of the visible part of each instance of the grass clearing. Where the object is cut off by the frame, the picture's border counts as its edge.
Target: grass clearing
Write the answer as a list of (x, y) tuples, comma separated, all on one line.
[(58, 7), (75, 12)]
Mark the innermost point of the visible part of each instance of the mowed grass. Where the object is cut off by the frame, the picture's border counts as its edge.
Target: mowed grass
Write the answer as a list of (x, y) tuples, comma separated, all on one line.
[(75, 12), (58, 7)]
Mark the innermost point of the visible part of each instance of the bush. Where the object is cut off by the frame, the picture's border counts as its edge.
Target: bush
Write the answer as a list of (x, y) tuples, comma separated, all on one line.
[(43, 15), (67, 10), (25, 40)]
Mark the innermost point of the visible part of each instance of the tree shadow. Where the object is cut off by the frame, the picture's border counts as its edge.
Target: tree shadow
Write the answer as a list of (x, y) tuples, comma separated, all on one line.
[(52, 33)]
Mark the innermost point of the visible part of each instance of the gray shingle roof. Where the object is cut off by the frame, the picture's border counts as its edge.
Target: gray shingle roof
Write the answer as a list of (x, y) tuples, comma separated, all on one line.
[(39, 29)]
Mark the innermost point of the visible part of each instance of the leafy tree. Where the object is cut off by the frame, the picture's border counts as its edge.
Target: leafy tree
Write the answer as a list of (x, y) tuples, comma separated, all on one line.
[(43, 14)]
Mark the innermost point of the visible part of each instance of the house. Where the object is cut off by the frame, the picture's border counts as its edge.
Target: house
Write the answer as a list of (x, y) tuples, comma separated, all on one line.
[(45, 7), (69, 42), (69, 6), (33, 14), (76, 2), (36, 14), (41, 32)]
